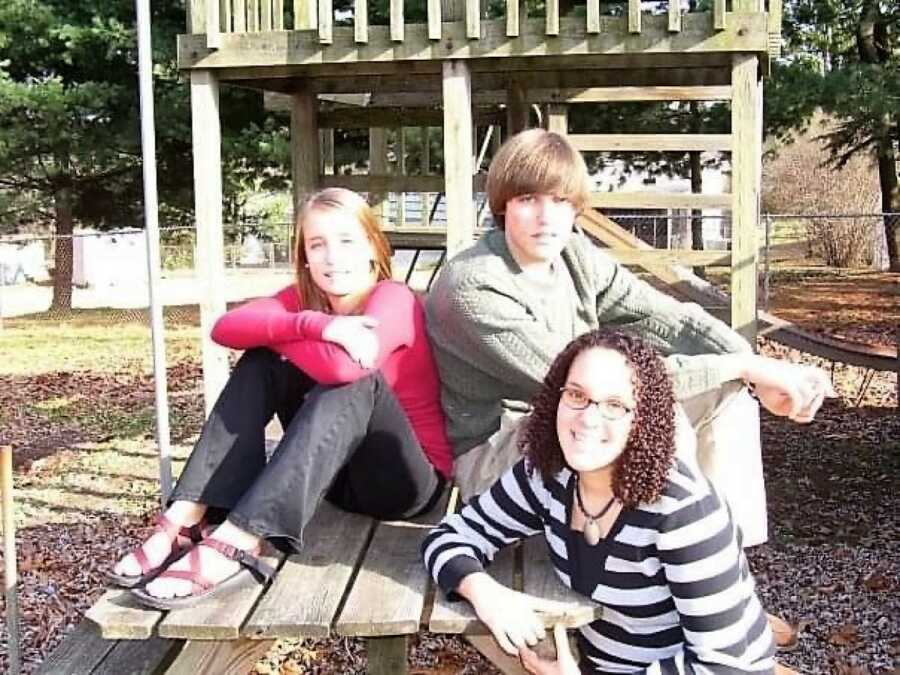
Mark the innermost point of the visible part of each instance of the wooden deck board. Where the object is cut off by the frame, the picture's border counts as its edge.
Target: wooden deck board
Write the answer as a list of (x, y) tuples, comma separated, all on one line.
[(389, 592), (120, 617), (216, 618), (306, 594)]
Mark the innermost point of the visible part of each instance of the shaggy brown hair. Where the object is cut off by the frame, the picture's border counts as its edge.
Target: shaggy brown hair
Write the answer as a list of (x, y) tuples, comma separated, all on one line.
[(640, 472), (537, 161)]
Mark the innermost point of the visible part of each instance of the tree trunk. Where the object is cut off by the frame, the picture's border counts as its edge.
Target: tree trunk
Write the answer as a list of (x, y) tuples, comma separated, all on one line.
[(890, 197), (696, 188), (64, 253)]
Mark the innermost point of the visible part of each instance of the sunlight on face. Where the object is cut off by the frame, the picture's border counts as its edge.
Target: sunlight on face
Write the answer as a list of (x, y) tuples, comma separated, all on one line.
[(340, 254), (593, 438), (538, 227)]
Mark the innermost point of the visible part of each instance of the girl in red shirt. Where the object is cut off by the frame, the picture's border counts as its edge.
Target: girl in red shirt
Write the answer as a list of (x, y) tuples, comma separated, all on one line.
[(343, 359)]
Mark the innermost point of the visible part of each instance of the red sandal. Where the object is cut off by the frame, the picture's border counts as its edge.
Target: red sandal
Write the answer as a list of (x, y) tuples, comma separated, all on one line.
[(251, 568), (181, 538)]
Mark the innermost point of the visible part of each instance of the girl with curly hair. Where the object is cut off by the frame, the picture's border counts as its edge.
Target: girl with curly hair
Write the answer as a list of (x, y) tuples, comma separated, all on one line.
[(626, 522)]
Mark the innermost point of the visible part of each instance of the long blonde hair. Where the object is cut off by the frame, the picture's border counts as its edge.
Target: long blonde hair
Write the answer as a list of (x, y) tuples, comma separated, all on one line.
[(350, 203)]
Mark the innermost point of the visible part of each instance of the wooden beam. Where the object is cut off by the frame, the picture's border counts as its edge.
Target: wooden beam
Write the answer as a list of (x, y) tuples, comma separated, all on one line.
[(210, 264), (473, 19), (517, 110), (239, 15), (305, 14), (623, 62), (434, 19), (674, 16), (634, 16), (512, 17), (552, 17), (304, 147), (213, 29), (396, 8), (265, 15), (379, 183), (659, 200), (252, 16), (326, 151), (368, 117), (361, 21), (458, 150), (719, 15), (378, 166), (326, 22), (744, 33), (652, 142), (746, 167), (593, 17), (557, 118), (620, 94), (672, 257)]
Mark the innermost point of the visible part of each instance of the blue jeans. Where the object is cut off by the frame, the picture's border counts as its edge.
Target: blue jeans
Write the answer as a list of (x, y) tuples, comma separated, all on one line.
[(351, 444)]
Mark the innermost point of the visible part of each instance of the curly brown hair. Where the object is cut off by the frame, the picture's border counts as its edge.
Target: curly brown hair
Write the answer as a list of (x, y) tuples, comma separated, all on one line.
[(640, 472)]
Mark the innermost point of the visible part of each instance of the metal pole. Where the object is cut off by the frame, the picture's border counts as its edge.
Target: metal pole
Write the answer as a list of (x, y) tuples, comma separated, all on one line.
[(9, 558), (766, 264), (148, 143)]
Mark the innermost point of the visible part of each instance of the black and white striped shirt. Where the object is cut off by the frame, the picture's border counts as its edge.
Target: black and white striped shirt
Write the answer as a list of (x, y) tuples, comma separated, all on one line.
[(676, 591)]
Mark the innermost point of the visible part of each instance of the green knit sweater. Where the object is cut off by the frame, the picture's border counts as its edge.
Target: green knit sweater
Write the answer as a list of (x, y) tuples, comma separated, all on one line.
[(494, 344)]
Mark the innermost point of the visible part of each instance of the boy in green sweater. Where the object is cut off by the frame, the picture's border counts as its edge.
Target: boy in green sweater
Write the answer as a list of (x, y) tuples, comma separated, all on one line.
[(500, 312)]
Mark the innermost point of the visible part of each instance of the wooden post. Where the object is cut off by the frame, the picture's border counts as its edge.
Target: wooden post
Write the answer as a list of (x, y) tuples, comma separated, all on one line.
[(401, 169), (306, 15), (557, 115), (378, 166), (326, 150), (304, 147), (9, 558), (426, 171), (516, 108), (387, 655), (210, 263), (746, 169), (458, 164)]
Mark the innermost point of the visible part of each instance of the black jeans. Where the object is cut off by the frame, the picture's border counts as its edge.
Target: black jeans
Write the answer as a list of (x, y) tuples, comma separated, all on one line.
[(350, 443)]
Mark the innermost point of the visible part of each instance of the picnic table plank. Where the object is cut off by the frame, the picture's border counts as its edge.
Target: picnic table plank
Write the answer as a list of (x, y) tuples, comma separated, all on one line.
[(80, 651), (539, 578), (218, 618), (305, 596), (138, 656), (388, 594), (120, 617), (230, 657), (459, 617)]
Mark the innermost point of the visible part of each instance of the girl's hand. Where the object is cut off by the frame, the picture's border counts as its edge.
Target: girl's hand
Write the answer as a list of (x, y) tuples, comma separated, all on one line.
[(509, 615), (356, 335), (564, 663)]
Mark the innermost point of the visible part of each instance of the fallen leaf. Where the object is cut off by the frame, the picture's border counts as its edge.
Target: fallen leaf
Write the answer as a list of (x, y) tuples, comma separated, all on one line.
[(784, 632), (845, 635), (877, 582)]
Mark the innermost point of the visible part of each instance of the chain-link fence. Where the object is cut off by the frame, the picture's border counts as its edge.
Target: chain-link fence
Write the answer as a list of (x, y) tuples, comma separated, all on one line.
[(108, 269)]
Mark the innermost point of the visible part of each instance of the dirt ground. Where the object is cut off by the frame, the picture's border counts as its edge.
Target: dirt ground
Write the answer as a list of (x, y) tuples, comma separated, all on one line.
[(76, 402)]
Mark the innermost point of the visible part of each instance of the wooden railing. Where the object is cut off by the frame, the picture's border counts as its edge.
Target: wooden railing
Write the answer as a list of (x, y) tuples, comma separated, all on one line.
[(215, 17)]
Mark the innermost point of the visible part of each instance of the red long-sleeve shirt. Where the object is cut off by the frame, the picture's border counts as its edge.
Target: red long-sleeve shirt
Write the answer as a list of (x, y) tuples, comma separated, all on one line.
[(404, 354)]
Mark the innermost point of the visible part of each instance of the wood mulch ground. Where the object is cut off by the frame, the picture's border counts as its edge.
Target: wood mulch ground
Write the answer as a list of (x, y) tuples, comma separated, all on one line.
[(86, 492)]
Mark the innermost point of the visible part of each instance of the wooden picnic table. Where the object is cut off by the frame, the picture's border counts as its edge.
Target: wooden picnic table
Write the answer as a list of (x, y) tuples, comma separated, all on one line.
[(355, 577)]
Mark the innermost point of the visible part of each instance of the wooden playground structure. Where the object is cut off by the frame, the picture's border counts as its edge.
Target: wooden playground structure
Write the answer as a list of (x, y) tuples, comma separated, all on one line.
[(460, 68)]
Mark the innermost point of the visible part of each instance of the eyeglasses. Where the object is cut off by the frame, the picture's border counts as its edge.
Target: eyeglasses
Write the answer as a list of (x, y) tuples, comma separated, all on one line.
[(610, 409)]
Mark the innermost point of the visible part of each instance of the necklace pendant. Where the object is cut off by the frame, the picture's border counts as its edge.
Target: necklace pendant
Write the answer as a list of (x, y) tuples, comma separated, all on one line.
[(592, 532)]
